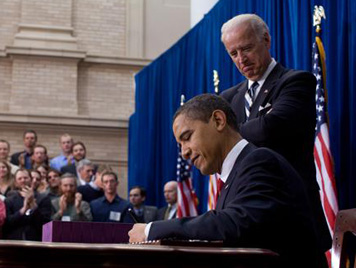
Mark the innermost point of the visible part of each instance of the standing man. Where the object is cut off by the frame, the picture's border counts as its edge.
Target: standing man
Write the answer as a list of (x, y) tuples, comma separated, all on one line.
[(39, 156), (4, 155), (143, 213), (170, 194), (78, 151), (263, 203), (85, 171), (26, 210), (94, 189), (70, 206), (110, 207), (65, 158), (23, 158), (275, 106)]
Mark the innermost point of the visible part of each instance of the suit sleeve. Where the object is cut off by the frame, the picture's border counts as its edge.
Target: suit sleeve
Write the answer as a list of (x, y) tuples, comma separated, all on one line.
[(292, 108), (252, 207)]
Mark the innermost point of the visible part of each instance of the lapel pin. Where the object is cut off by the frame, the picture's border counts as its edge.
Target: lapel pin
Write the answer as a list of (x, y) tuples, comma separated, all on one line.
[(226, 186), (266, 91)]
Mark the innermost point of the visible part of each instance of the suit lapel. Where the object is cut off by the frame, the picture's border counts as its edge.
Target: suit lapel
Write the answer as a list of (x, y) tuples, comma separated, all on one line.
[(239, 102), (266, 89), (230, 180)]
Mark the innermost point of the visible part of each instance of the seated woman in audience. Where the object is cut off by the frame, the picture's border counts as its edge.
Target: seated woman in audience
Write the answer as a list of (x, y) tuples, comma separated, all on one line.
[(4, 155), (5, 179), (26, 210), (36, 179), (43, 170)]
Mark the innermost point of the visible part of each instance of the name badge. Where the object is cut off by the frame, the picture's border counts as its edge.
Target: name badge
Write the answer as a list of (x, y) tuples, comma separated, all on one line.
[(65, 218), (115, 216)]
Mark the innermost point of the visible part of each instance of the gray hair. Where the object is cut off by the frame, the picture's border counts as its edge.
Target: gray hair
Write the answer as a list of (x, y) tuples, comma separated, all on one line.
[(257, 24), (84, 162)]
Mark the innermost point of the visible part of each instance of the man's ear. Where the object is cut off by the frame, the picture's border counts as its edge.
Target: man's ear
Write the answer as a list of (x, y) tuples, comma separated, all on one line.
[(219, 119)]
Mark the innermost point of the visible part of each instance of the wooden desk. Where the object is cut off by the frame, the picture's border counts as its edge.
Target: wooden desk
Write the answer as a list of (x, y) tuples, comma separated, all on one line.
[(44, 254)]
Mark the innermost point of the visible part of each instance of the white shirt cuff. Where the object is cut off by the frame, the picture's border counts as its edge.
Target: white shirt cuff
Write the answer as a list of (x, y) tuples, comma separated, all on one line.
[(147, 230)]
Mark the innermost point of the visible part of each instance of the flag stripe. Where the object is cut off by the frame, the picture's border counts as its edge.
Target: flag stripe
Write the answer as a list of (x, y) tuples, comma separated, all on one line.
[(187, 200)]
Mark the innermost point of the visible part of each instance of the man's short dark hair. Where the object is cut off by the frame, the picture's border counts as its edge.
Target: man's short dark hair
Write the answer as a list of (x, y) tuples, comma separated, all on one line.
[(110, 173), (30, 131), (201, 108), (78, 143), (142, 190)]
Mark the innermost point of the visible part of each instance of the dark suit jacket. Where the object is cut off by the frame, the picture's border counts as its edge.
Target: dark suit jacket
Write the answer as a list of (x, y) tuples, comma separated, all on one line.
[(283, 118), (263, 204), (69, 169), (26, 227), (149, 213), (162, 211)]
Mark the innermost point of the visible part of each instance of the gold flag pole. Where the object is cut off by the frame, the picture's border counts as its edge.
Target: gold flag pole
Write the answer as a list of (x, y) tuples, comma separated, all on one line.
[(216, 81), (319, 13)]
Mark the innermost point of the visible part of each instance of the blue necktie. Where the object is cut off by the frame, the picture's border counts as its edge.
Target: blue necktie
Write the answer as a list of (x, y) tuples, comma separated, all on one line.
[(249, 98)]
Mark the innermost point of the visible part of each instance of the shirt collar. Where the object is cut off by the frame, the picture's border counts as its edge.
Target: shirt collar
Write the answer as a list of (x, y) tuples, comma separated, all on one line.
[(230, 159), (261, 81)]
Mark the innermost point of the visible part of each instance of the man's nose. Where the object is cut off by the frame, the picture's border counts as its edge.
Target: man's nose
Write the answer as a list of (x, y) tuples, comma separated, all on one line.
[(186, 152)]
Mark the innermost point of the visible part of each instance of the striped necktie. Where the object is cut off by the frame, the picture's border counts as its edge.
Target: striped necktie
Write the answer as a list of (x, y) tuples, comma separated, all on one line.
[(249, 98)]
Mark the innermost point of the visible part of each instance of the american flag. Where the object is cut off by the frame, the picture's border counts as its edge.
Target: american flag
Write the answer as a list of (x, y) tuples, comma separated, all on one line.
[(214, 190), (322, 155), (187, 199)]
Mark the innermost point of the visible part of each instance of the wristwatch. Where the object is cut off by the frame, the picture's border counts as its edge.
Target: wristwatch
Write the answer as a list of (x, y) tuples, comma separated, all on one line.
[(28, 212)]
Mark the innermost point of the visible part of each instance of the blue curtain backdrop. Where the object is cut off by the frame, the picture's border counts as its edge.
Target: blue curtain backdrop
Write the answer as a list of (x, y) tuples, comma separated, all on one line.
[(187, 68)]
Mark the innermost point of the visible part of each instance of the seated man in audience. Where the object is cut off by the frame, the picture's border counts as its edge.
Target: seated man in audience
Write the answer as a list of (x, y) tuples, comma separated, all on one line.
[(143, 213), (66, 157), (85, 171), (94, 189), (170, 194), (69, 206), (53, 180), (39, 156), (110, 207), (26, 210), (23, 158), (78, 152), (264, 202), (4, 155)]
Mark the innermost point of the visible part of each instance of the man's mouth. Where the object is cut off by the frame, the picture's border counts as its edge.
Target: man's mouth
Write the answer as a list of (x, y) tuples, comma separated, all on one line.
[(194, 160)]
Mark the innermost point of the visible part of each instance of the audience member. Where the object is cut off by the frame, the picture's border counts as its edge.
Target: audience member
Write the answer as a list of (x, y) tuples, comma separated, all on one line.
[(23, 158), (170, 194), (53, 180), (36, 179), (66, 157), (70, 206), (85, 171), (5, 179), (43, 170), (78, 152), (110, 207), (94, 189), (2, 216), (39, 156), (4, 155), (143, 213), (26, 210)]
